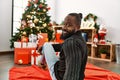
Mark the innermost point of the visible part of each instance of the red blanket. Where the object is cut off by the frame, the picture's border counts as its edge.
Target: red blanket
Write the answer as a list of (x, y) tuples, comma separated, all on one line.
[(34, 73)]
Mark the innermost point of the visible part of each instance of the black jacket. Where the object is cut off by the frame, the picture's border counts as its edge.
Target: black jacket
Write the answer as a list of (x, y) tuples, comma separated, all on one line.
[(73, 58)]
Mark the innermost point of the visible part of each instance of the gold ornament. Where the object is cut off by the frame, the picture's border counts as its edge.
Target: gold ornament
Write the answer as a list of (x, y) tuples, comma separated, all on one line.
[(44, 10), (44, 25), (24, 33), (28, 16), (44, 19), (40, 21), (37, 28), (36, 20), (20, 61)]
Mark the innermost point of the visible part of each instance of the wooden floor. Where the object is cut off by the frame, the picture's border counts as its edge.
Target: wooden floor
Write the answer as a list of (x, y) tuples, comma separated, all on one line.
[(7, 62)]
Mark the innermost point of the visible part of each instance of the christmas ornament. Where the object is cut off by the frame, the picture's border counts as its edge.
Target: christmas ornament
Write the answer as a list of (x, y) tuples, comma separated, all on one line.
[(20, 61), (32, 12), (24, 39), (44, 10), (50, 24), (24, 33), (44, 19), (30, 21), (29, 4), (29, 16), (48, 8), (36, 1), (35, 5), (38, 28), (36, 20), (44, 25), (40, 6), (40, 21)]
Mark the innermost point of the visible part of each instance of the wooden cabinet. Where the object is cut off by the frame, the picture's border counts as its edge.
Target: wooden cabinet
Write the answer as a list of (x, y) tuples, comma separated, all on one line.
[(93, 52), (90, 34)]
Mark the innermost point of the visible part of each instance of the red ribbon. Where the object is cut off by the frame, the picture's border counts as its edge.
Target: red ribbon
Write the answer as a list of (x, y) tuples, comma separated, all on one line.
[(35, 55)]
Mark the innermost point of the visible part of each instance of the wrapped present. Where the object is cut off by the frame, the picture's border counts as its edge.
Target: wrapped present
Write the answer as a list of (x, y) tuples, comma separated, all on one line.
[(24, 44), (21, 57), (17, 44), (33, 38), (20, 44), (35, 57), (31, 45)]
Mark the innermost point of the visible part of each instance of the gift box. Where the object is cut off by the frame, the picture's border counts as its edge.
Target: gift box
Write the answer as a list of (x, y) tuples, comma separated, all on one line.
[(31, 45), (24, 44), (33, 38), (35, 57), (17, 44), (20, 44), (22, 57)]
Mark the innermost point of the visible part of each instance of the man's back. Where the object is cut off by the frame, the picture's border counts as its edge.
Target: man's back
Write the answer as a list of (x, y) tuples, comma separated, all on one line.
[(72, 58)]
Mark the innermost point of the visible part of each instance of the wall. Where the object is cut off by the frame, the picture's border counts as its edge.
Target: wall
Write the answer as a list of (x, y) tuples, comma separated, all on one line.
[(107, 10), (5, 24), (52, 11)]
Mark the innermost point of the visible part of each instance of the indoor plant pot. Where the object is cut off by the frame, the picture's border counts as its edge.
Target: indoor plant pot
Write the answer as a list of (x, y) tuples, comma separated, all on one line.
[(103, 53)]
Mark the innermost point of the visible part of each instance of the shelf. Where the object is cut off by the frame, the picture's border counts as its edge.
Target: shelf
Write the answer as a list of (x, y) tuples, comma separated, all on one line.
[(89, 42), (93, 52), (99, 59)]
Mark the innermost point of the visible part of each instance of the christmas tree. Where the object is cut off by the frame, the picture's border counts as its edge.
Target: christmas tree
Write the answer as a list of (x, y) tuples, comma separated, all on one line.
[(34, 20)]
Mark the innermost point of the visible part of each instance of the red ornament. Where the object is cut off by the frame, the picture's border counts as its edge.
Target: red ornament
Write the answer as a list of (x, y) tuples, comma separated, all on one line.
[(36, 1), (50, 24), (40, 6), (24, 39), (29, 4), (48, 8)]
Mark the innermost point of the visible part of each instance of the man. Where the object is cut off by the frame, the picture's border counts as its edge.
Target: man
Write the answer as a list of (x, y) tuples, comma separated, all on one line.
[(73, 53)]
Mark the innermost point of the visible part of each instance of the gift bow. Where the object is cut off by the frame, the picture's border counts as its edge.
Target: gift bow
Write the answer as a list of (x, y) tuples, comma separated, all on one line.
[(35, 54)]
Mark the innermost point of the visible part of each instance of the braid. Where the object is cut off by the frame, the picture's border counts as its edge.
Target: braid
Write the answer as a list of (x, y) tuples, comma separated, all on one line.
[(78, 17)]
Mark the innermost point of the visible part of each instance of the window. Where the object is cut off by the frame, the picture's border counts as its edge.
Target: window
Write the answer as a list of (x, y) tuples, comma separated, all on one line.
[(18, 9)]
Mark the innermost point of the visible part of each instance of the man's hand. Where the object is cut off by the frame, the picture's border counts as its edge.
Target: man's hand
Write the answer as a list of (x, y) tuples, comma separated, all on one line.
[(43, 65), (40, 50)]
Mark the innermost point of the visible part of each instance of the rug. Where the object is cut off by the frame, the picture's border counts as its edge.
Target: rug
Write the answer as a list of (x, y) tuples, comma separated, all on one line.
[(35, 73)]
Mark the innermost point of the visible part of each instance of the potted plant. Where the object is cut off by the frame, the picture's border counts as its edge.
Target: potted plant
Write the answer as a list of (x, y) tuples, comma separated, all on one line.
[(103, 53)]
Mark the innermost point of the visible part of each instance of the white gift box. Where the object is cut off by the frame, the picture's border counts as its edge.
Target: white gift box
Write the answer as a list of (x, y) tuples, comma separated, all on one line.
[(31, 45), (33, 38), (24, 45), (17, 44), (35, 57)]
